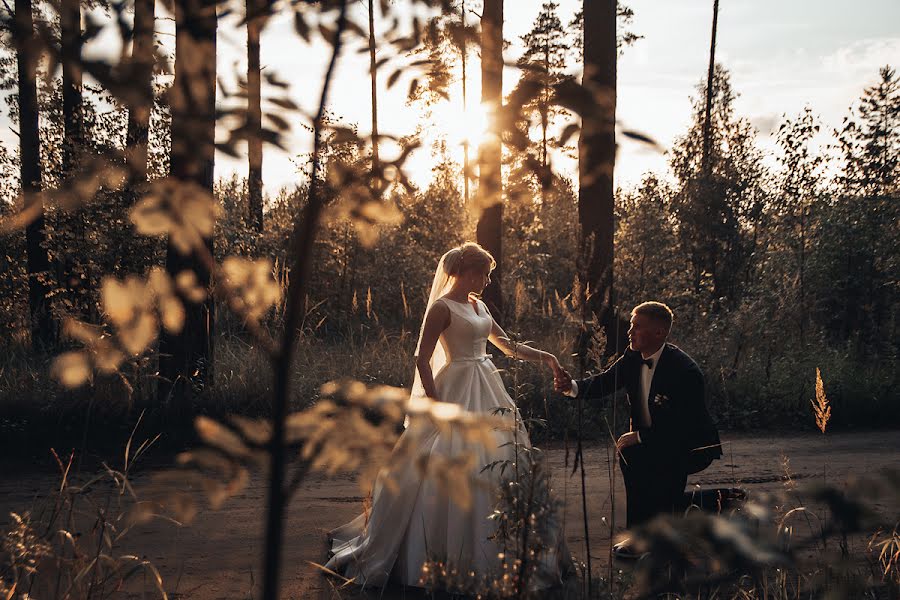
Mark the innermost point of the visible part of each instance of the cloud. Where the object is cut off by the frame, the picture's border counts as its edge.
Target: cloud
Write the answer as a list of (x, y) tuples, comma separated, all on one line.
[(765, 124), (859, 57)]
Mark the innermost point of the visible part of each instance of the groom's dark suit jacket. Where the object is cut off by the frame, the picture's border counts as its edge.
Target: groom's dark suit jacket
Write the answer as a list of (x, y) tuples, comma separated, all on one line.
[(681, 427)]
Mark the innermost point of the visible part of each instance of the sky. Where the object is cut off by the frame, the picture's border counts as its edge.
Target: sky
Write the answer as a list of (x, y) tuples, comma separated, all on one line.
[(782, 55)]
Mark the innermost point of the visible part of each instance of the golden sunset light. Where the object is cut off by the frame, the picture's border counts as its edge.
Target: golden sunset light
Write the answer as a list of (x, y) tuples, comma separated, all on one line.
[(469, 299)]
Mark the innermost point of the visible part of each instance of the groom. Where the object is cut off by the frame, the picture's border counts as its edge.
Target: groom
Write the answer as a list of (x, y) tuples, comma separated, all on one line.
[(672, 434)]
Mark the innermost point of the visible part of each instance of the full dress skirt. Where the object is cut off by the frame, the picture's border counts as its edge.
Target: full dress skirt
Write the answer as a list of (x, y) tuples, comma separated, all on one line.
[(413, 518)]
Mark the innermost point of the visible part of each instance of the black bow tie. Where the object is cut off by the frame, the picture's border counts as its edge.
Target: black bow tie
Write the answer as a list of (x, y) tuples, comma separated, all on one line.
[(648, 362)]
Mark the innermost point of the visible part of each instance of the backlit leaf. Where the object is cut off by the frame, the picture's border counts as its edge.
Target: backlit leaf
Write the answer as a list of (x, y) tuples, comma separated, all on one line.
[(72, 369)]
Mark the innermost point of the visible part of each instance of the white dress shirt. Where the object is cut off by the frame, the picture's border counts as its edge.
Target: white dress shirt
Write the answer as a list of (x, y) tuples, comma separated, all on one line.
[(646, 380)]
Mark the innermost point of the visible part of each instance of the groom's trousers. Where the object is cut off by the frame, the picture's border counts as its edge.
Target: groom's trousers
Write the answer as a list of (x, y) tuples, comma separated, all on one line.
[(654, 484)]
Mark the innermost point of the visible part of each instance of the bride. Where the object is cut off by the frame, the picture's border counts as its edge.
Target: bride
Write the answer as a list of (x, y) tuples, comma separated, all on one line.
[(412, 518)]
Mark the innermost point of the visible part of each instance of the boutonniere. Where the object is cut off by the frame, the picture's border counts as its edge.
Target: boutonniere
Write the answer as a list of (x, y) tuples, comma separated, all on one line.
[(660, 399)]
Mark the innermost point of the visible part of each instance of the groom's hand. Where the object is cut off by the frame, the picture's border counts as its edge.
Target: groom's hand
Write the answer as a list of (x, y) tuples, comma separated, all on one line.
[(562, 381), (627, 439)]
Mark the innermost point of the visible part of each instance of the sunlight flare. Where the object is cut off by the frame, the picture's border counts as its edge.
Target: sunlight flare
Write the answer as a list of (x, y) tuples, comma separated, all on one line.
[(461, 125)]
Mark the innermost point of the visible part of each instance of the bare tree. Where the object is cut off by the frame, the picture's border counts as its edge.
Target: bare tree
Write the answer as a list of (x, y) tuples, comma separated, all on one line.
[(490, 184), (28, 56), (186, 357)]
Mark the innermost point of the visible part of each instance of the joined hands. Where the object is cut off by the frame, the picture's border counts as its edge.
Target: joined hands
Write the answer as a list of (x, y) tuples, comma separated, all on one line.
[(562, 381)]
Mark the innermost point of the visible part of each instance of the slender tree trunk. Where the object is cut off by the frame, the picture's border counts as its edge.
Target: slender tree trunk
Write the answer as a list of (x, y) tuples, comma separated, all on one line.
[(545, 121), (707, 123), (597, 155), (705, 190), (490, 185), (255, 23), (373, 75), (186, 358), (74, 276), (137, 137), (802, 274), (545, 108), (73, 120), (464, 52), (43, 332), (138, 134)]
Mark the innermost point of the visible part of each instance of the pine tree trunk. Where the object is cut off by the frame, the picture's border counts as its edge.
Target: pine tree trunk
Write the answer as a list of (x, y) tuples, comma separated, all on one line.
[(464, 51), (373, 75), (70, 37), (802, 276), (490, 185), (597, 155), (707, 122), (186, 358), (545, 122), (137, 137), (75, 276), (138, 134), (43, 332), (255, 24)]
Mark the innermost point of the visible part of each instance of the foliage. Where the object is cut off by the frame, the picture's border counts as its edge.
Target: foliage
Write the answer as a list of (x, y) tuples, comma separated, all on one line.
[(624, 37), (760, 551), (543, 64), (719, 213), (746, 255), (761, 266), (71, 546), (855, 252)]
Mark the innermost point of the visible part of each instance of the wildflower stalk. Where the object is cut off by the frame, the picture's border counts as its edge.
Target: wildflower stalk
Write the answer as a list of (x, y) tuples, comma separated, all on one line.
[(822, 410)]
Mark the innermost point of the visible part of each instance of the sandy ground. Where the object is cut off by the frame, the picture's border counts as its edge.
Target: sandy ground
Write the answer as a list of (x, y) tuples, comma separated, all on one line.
[(219, 555)]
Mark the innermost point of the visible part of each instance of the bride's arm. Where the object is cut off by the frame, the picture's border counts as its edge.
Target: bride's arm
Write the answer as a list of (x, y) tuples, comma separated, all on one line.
[(520, 351), (436, 321)]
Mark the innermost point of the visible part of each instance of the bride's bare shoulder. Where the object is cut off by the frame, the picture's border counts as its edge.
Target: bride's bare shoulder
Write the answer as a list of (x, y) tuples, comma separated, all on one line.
[(438, 311)]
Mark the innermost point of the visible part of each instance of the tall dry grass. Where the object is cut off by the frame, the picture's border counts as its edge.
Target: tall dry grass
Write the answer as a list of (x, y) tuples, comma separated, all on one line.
[(73, 543)]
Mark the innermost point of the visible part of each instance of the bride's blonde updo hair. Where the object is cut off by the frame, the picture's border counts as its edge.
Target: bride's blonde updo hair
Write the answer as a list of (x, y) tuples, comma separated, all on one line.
[(467, 257)]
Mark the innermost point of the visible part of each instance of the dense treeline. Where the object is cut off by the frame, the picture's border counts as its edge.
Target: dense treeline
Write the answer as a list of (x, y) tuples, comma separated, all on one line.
[(772, 271), (776, 271)]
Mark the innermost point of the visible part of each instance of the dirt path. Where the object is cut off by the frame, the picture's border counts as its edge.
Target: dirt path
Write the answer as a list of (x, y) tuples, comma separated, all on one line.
[(219, 556)]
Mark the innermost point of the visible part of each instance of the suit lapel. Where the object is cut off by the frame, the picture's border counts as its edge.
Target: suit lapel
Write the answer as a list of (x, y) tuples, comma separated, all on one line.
[(658, 374)]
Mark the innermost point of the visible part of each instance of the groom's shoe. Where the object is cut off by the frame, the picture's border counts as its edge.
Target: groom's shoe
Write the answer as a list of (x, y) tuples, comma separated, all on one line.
[(624, 550)]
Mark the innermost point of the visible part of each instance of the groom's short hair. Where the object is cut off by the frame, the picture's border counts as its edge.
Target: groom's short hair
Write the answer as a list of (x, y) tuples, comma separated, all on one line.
[(656, 311)]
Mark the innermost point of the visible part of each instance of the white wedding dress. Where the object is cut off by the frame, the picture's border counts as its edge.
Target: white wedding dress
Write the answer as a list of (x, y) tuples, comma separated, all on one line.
[(416, 519)]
